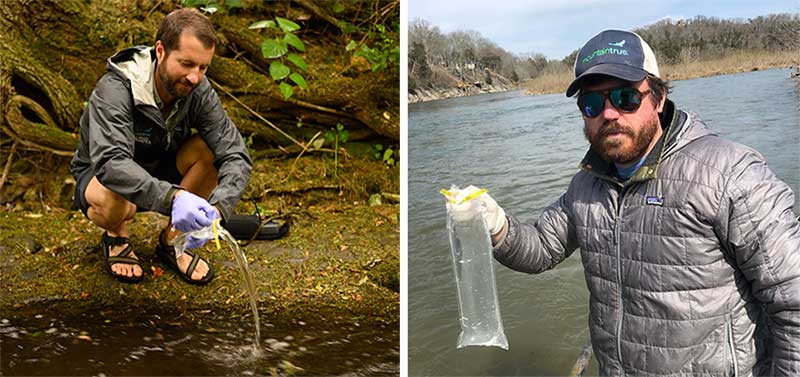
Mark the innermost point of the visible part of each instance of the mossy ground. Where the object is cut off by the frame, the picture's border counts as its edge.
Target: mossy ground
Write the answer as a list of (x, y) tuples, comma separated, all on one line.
[(339, 261)]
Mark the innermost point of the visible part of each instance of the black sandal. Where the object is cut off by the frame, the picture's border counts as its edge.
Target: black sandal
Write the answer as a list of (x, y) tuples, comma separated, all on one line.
[(166, 253), (107, 242)]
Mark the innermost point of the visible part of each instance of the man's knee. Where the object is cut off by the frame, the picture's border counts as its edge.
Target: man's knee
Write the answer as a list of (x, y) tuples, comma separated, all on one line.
[(193, 151), (107, 206)]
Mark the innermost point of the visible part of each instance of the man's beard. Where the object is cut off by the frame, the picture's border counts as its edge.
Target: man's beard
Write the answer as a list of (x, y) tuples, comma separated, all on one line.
[(172, 85), (620, 151)]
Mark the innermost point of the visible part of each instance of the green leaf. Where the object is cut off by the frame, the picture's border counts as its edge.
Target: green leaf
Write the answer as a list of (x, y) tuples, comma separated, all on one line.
[(233, 4), (343, 135), (298, 61), (262, 24), (338, 7), (272, 49), (387, 154), (278, 71), (299, 80), (351, 46), (286, 25), (292, 40), (286, 90), (348, 28)]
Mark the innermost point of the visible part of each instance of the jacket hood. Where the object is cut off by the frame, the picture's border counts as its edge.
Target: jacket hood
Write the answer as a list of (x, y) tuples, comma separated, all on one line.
[(679, 129), (137, 65)]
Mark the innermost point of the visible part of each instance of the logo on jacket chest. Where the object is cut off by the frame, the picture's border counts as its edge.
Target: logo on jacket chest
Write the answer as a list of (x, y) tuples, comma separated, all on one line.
[(142, 136), (653, 200)]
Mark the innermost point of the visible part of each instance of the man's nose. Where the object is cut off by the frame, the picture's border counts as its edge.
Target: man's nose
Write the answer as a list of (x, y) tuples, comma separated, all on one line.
[(194, 76), (609, 111)]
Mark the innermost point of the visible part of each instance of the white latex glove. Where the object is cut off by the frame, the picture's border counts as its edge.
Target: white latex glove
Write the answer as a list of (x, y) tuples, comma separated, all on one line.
[(494, 215)]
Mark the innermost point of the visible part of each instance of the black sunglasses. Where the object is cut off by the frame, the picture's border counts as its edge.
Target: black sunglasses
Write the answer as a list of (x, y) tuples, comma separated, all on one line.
[(625, 99)]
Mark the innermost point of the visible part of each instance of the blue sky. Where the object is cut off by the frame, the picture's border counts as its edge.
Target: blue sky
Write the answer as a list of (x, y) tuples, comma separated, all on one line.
[(555, 28)]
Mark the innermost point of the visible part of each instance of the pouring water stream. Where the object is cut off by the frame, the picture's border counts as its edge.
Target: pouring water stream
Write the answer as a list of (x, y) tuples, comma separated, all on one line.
[(215, 232)]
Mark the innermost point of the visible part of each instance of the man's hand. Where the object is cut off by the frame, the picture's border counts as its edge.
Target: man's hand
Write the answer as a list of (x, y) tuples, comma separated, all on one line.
[(495, 216), (191, 212)]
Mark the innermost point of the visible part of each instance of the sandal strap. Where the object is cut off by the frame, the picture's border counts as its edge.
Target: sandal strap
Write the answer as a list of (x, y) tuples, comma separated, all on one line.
[(127, 251), (124, 260), (115, 241), (193, 264)]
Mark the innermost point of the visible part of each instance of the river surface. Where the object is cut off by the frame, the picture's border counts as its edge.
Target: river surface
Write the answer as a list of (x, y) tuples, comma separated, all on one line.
[(525, 149), (43, 340)]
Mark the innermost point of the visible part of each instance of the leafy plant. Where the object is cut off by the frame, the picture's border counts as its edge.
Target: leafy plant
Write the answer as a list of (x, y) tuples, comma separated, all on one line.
[(278, 48), (385, 155), (337, 135), (385, 50)]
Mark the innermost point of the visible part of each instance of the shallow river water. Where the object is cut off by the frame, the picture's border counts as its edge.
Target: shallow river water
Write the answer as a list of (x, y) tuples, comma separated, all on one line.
[(36, 340), (524, 150)]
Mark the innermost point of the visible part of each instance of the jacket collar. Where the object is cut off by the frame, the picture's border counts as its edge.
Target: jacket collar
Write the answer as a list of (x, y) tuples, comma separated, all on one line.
[(673, 122)]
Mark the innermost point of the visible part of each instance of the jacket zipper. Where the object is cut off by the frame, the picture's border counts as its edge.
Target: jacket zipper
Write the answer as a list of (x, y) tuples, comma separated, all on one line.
[(617, 236), (730, 346)]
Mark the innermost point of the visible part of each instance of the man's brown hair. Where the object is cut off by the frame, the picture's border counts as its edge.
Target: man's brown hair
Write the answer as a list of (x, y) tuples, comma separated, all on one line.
[(169, 32)]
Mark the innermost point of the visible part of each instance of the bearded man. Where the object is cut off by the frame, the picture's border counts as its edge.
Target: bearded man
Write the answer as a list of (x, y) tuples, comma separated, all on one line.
[(689, 243), (154, 137)]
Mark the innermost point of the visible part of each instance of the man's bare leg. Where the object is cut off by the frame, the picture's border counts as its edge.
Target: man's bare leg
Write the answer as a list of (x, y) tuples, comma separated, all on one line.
[(110, 211), (195, 162)]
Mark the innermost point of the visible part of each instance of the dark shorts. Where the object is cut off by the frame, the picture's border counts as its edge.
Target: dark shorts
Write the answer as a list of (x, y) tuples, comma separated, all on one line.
[(165, 169)]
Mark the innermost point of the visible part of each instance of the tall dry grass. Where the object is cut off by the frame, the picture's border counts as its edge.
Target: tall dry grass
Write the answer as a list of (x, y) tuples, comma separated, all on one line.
[(740, 61)]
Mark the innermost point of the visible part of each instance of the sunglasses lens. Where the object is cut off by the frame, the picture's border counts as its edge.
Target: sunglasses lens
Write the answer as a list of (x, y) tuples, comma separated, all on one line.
[(591, 104), (626, 99)]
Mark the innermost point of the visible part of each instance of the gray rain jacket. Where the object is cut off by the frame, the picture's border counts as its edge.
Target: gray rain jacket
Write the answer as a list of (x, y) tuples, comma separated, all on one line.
[(692, 265), (122, 130)]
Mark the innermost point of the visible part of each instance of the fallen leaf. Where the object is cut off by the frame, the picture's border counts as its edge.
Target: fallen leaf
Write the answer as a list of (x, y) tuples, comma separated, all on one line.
[(157, 271), (84, 337), (84, 295)]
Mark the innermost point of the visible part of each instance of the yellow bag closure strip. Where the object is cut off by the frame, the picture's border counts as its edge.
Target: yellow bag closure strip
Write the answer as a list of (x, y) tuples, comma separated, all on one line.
[(214, 225), (449, 195)]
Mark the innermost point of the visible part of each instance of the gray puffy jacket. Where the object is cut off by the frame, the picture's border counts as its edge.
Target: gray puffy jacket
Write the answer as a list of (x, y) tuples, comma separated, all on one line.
[(692, 265), (122, 130)]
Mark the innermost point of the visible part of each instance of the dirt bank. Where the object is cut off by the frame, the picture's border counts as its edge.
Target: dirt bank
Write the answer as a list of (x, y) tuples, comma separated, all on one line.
[(339, 262)]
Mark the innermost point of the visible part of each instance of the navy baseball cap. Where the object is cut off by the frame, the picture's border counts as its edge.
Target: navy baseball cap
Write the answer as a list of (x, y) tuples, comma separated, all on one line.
[(617, 53)]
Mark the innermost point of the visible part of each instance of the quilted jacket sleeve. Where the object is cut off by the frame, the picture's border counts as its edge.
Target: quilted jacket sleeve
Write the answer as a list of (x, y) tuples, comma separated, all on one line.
[(540, 246), (760, 230)]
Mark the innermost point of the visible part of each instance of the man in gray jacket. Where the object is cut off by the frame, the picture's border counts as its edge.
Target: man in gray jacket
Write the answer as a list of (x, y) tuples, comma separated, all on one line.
[(689, 243), (154, 137)]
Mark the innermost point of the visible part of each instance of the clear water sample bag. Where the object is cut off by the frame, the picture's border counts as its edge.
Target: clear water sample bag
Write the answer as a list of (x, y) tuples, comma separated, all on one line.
[(471, 250)]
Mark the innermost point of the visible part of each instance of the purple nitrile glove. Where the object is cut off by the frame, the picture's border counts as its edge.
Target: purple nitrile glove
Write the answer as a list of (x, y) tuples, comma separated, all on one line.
[(191, 212), (194, 243)]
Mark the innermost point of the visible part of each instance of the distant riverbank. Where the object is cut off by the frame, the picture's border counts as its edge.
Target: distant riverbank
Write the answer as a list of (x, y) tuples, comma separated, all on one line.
[(742, 61)]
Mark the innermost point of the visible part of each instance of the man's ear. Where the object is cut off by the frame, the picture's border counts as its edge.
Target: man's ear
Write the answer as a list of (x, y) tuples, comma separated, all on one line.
[(663, 101), (160, 51)]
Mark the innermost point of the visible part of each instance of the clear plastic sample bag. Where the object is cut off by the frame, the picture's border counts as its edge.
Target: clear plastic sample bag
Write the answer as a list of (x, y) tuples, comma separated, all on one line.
[(471, 250)]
